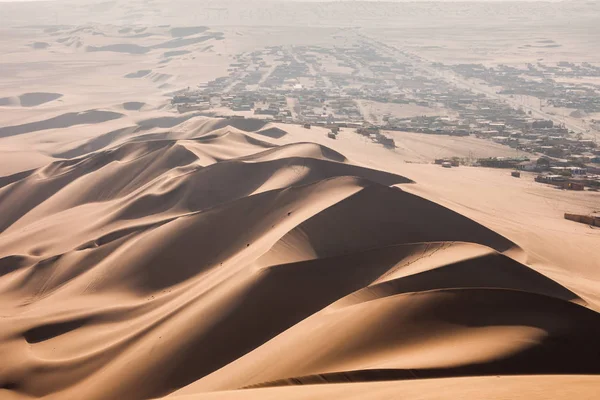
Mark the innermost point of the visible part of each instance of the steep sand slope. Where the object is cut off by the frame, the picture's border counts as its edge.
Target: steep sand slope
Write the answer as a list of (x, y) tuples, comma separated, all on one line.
[(209, 260), (530, 214), (494, 388)]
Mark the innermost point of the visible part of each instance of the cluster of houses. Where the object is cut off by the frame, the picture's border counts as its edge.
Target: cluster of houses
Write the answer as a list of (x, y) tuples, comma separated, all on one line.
[(488, 119), (187, 101), (562, 173), (301, 84), (448, 162), (374, 133), (543, 82)]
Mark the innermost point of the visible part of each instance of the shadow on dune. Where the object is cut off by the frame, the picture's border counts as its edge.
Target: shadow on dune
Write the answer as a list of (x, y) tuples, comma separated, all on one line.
[(133, 105), (139, 74), (180, 42), (30, 99), (46, 332), (7, 180), (36, 99), (119, 48), (105, 140), (183, 31), (274, 133), (97, 143), (61, 121), (383, 216), (244, 124), (164, 122), (12, 263), (176, 53), (567, 348)]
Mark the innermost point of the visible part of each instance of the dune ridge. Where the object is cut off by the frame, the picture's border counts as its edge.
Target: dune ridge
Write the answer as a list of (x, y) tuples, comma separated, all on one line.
[(210, 262), (30, 99)]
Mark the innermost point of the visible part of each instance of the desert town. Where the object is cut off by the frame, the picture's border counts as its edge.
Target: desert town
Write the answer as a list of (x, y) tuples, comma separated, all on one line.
[(373, 90)]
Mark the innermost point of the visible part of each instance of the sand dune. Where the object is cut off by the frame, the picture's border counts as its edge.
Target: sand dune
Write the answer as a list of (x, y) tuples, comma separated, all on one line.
[(158, 77), (139, 74), (8, 101), (133, 105), (164, 122), (245, 124), (178, 41), (97, 143), (198, 126), (495, 388), (30, 99), (208, 260), (40, 45), (74, 41), (175, 53), (272, 132), (120, 48), (61, 121), (147, 73), (36, 99), (187, 31), (16, 161)]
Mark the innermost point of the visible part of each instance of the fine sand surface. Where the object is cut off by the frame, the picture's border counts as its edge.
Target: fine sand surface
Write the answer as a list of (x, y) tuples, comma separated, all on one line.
[(238, 259), (494, 388)]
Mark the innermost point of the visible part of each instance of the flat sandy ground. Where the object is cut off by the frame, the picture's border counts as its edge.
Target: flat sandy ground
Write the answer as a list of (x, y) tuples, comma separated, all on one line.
[(149, 254)]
